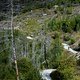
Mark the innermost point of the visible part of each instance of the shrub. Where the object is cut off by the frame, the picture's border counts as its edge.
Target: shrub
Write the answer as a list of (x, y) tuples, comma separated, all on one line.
[(61, 9), (7, 72), (66, 38), (55, 53), (72, 41), (68, 10), (27, 71), (66, 24), (67, 67)]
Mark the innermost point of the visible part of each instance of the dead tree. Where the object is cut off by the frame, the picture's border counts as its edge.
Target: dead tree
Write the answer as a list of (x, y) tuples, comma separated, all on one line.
[(13, 43)]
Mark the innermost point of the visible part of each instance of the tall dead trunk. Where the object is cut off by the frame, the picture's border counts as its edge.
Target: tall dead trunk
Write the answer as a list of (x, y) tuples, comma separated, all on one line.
[(13, 43), (45, 55)]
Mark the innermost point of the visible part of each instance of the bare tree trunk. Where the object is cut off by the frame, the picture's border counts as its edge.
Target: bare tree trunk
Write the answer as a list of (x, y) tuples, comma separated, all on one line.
[(27, 49), (13, 43), (45, 54), (33, 52)]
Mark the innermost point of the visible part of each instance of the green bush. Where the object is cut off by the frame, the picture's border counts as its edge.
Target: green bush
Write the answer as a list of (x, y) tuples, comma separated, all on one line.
[(7, 72), (27, 71), (72, 41), (68, 10), (55, 53), (60, 9), (66, 24), (66, 38), (7, 67), (65, 27), (67, 67)]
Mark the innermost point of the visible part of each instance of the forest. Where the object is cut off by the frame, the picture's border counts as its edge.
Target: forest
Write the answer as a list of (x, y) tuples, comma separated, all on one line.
[(39, 39)]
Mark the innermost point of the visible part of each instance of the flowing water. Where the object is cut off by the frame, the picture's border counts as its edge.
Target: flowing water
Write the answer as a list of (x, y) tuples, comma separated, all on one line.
[(68, 48), (46, 73)]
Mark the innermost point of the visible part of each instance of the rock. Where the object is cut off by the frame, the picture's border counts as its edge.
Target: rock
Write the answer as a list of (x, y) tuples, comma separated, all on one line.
[(56, 75)]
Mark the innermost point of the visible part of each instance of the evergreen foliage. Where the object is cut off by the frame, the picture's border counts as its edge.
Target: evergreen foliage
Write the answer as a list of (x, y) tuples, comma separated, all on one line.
[(66, 24), (41, 50), (56, 53), (27, 71)]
